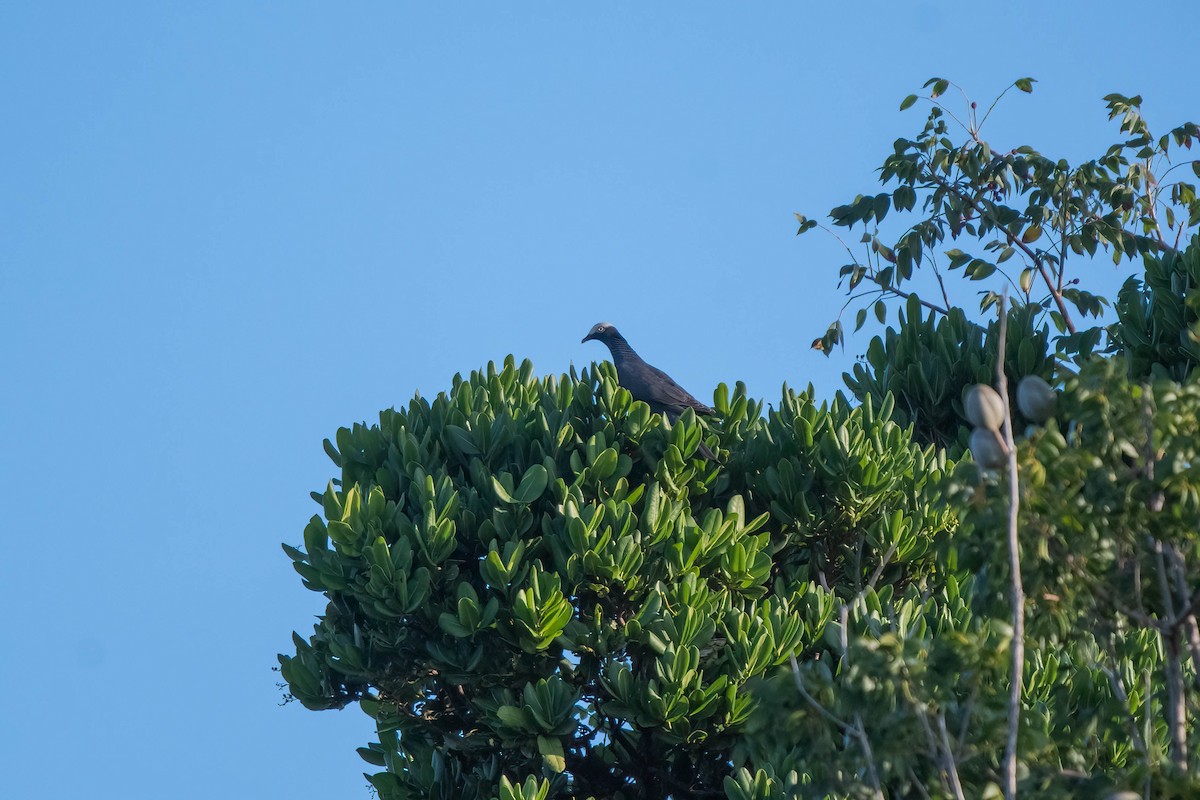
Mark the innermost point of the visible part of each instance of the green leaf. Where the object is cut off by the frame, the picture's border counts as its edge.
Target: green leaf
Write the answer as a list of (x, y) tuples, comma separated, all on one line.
[(880, 205), (332, 452), (552, 753), (908, 101), (451, 625), (806, 224), (1025, 84), (373, 757), (341, 533), (605, 464), (462, 439), (501, 492), (513, 717), (533, 484), (979, 269)]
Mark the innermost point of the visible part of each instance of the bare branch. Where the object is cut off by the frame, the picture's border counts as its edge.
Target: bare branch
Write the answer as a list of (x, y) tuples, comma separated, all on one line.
[(813, 702), (951, 766), (1014, 557), (856, 730), (865, 743), (903, 294), (1176, 705), (1026, 249)]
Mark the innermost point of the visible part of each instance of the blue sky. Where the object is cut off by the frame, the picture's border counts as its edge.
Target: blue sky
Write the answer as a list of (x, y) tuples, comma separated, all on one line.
[(230, 228)]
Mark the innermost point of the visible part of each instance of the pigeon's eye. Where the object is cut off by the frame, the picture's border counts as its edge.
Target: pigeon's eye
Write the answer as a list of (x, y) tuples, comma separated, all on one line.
[(601, 329)]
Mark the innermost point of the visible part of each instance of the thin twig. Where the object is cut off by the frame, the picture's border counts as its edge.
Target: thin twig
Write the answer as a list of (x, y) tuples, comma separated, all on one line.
[(891, 551), (951, 767), (912, 776), (950, 114), (966, 717), (937, 273), (1118, 687), (1151, 195), (905, 295), (1062, 250), (865, 743), (857, 730), (994, 104), (1026, 249), (814, 703)]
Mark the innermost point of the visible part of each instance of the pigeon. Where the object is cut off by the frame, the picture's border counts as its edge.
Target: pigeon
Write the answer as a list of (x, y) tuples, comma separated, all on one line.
[(646, 383)]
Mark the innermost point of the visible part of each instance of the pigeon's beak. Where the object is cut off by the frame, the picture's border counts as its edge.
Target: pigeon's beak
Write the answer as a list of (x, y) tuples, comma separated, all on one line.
[(589, 337)]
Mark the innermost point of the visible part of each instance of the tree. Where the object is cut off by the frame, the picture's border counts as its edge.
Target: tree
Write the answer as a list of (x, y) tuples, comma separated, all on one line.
[(536, 581), (1107, 545), (536, 589), (1030, 223)]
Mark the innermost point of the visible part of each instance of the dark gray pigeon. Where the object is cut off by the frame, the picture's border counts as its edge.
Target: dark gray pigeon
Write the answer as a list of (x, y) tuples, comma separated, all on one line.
[(646, 383)]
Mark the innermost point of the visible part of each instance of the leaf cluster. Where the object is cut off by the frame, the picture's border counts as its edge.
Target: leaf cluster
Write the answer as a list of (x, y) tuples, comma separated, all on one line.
[(1014, 214), (929, 360), (1158, 317)]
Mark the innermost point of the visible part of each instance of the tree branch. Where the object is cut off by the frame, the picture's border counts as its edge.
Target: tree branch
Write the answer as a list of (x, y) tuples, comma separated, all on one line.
[(1012, 240), (1014, 557), (856, 730), (951, 767), (1176, 702)]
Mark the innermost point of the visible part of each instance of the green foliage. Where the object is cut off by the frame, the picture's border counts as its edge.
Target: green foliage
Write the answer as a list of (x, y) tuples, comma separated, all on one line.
[(928, 362), (1158, 316), (909, 697), (904, 685), (1110, 511), (536, 579), (537, 590), (1017, 216), (906, 692)]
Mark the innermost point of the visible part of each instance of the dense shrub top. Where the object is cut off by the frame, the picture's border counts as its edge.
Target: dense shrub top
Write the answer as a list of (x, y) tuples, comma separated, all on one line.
[(537, 576)]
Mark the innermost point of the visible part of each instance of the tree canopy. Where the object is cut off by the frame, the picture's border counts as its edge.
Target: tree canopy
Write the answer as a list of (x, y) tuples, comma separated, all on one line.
[(538, 590)]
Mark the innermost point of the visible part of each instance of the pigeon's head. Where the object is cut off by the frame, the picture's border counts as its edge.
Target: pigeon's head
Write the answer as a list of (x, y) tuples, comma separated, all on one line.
[(602, 331)]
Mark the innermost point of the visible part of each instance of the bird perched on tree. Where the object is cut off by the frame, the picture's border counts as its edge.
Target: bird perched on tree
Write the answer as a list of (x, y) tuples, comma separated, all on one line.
[(646, 383)]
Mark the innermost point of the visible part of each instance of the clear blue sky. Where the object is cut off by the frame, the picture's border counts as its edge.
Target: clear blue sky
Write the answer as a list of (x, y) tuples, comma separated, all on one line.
[(227, 229)]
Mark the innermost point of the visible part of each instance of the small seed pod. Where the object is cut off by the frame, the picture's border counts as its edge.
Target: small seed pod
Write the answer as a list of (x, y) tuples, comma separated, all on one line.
[(984, 407), (1036, 399), (987, 449)]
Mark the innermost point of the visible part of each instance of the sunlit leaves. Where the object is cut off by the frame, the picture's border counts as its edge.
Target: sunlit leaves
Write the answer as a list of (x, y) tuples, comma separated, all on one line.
[(950, 183), (524, 571), (940, 85)]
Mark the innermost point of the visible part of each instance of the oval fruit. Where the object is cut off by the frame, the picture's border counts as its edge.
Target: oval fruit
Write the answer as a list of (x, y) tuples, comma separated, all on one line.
[(1036, 399), (984, 407), (986, 449)]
